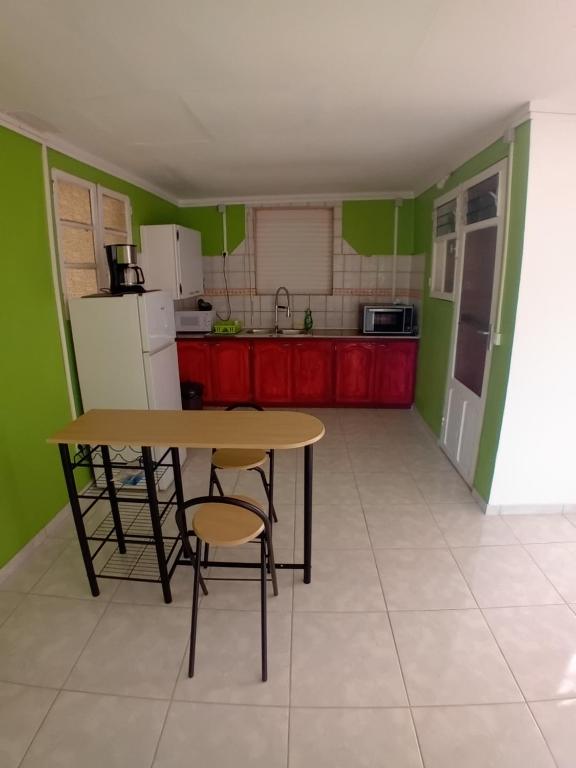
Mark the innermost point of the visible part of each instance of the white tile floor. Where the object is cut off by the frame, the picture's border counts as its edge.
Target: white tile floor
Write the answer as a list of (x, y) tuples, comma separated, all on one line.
[(430, 635)]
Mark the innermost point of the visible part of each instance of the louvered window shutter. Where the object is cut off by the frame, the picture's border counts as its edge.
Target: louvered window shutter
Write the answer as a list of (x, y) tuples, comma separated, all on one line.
[(294, 249)]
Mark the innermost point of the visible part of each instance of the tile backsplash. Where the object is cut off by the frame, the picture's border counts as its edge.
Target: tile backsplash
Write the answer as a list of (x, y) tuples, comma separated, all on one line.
[(356, 279)]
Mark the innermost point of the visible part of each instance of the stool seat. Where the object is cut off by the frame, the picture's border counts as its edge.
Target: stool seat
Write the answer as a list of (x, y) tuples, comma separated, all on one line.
[(238, 458), (224, 525)]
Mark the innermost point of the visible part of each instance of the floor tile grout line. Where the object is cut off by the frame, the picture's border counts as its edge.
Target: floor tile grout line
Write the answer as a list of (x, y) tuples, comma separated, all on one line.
[(491, 631), (44, 572), (542, 734), (169, 702), (91, 635), (420, 751), (14, 607), (543, 572), (398, 660), (368, 532), (37, 731), (61, 690)]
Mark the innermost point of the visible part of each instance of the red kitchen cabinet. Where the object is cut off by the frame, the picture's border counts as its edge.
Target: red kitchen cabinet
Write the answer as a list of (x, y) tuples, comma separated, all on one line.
[(354, 372), (394, 372), (272, 367), (194, 363), (312, 372), (230, 371)]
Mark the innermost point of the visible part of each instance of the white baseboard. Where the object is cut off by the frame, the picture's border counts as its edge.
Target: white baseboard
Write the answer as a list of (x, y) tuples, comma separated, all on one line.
[(532, 509), (28, 549), (504, 509)]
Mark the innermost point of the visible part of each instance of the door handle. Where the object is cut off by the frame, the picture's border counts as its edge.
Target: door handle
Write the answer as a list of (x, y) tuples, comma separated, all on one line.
[(483, 333)]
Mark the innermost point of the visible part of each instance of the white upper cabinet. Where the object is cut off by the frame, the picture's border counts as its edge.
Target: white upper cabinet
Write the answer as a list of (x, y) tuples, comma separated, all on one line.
[(172, 260)]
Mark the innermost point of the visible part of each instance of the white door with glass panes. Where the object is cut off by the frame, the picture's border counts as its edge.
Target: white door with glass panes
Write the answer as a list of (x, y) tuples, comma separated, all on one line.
[(479, 232)]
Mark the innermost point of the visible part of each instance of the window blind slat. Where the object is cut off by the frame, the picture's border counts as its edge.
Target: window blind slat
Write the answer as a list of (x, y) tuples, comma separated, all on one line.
[(294, 249)]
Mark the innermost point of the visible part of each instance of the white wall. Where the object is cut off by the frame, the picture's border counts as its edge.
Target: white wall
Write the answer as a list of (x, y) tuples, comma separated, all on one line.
[(536, 459)]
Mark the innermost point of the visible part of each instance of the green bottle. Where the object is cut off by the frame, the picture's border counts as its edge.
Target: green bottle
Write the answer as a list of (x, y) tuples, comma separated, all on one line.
[(308, 322)]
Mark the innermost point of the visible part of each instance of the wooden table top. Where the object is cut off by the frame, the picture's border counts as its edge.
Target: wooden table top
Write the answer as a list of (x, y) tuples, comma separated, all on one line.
[(193, 429)]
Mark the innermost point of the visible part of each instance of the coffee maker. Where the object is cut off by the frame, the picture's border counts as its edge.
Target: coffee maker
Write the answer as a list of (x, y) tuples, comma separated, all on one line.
[(125, 275)]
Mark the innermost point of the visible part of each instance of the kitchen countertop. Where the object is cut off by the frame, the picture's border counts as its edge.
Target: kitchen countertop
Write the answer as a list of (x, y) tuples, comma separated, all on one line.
[(318, 333)]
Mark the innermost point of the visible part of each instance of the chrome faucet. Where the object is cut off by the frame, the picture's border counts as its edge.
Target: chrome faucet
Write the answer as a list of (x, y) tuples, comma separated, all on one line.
[(281, 306)]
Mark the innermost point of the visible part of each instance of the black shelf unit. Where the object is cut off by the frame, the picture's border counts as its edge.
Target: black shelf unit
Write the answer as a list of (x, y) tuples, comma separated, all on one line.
[(140, 552)]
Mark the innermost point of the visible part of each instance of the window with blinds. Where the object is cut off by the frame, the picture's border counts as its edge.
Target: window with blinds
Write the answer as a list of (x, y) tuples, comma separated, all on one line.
[(88, 217), (294, 249), (482, 200), (115, 215), (444, 253), (76, 213)]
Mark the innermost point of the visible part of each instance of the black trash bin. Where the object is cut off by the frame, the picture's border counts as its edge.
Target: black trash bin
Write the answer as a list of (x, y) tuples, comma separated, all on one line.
[(192, 392)]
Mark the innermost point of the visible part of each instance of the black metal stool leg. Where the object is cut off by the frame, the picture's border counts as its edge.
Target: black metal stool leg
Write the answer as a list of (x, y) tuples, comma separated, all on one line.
[(272, 566), (218, 484), (263, 616), (268, 491), (187, 549), (271, 510), (194, 624), (214, 481)]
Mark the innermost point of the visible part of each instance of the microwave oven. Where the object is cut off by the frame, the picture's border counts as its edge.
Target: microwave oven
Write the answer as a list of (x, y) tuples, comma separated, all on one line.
[(388, 319), (194, 321)]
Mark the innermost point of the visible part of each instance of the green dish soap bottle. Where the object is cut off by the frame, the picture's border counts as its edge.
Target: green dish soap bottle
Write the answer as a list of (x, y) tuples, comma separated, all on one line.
[(308, 321)]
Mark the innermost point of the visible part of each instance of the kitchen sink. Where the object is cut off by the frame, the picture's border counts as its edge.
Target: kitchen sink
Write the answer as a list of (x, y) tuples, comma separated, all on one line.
[(272, 332)]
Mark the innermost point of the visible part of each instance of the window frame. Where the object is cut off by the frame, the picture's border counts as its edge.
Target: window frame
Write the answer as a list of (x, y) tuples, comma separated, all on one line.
[(97, 192), (330, 209), (439, 247), (105, 192)]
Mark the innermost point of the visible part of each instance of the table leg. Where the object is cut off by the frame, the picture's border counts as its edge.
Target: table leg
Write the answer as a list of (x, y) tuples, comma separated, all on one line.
[(78, 519), (156, 524), (113, 500), (186, 547), (308, 468)]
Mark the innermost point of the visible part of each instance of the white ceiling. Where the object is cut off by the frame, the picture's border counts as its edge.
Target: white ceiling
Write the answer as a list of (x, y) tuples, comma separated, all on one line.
[(224, 98)]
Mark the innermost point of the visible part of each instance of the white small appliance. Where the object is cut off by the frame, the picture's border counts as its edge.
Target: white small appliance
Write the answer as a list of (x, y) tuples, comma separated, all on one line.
[(126, 357), (194, 321)]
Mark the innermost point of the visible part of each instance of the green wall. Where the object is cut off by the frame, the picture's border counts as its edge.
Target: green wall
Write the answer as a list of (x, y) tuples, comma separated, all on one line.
[(501, 354), (368, 226), (33, 392), (208, 221), (437, 315)]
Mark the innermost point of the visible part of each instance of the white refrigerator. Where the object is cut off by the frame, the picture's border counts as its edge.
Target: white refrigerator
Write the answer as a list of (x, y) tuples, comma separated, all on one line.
[(126, 357)]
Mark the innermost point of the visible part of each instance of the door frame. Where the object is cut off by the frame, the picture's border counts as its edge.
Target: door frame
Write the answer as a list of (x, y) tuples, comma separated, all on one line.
[(462, 229)]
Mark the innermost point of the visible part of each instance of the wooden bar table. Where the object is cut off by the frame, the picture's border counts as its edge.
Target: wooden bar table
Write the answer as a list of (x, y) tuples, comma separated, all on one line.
[(171, 430)]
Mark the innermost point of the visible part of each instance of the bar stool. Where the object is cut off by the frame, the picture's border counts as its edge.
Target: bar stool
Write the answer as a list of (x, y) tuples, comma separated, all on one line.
[(244, 459), (229, 521)]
